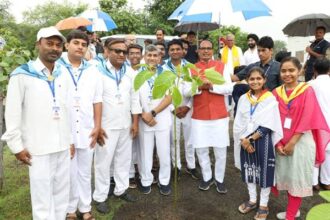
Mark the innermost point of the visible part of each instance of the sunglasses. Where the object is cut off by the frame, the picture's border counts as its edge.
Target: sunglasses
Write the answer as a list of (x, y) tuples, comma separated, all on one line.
[(118, 51)]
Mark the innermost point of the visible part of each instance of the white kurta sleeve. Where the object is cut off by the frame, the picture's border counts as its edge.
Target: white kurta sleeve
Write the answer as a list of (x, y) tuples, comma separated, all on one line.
[(13, 114), (224, 89), (99, 88), (136, 107)]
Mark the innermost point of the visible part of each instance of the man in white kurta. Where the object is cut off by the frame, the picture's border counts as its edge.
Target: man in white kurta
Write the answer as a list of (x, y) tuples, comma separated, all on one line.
[(119, 102), (86, 111), (155, 124), (210, 120), (321, 88), (183, 113), (38, 125), (251, 54)]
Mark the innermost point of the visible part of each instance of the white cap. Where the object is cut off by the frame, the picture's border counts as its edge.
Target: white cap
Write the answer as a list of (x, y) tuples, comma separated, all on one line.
[(49, 32)]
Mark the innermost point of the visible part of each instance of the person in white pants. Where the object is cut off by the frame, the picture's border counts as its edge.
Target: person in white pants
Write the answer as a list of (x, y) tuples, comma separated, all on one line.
[(155, 123), (182, 113), (134, 56), (210, 121), (321, 88), (86, 112), (119, 102), (38, 125)]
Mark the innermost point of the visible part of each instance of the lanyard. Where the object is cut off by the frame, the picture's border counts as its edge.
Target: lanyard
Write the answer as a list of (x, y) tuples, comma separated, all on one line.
[(51, 85), (73, 79), (252, 109)]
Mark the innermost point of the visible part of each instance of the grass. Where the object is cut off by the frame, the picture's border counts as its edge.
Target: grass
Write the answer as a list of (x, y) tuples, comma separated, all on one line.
[(15, 201)]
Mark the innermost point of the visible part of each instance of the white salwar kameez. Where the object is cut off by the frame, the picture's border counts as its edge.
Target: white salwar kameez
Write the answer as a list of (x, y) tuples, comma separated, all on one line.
[(321, 88), (31, 125)]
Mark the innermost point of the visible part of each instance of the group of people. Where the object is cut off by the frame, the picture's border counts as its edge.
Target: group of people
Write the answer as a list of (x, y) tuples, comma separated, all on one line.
[(64, 113)]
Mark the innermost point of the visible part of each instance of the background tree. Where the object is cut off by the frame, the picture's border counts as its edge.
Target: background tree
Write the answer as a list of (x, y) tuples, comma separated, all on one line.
[(279, 45)]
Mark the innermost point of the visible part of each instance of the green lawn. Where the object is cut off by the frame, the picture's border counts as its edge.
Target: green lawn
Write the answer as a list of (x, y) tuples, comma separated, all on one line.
[(15, 202)]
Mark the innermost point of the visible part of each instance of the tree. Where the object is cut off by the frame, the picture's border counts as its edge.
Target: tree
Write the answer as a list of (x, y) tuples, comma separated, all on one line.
[(279, 45)]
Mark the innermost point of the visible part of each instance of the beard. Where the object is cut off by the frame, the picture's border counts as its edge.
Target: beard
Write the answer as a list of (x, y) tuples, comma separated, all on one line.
[(251, 46)]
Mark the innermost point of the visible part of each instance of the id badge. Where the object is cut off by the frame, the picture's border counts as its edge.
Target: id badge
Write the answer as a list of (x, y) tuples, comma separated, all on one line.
[(56, 112), (250, 127), (76, 102), (118, 96), (287, 123)]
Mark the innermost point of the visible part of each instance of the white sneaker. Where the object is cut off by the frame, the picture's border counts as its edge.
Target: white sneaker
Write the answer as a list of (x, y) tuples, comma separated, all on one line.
[(282, 215)]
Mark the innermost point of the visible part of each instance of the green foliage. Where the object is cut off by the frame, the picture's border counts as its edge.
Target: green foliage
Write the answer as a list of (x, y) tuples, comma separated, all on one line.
[(142, 77), (176, 97), (214, 77), (162, 84), (321, 211)]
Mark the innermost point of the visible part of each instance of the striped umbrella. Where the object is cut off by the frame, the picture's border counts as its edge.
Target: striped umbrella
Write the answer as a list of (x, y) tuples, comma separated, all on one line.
[(101, 20)]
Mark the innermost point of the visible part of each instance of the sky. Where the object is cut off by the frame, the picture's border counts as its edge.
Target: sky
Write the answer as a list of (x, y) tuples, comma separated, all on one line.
[(283, 11)]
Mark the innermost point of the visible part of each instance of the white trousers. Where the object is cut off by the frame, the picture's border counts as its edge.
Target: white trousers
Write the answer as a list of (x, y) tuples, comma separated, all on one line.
[(80, 180), (135, 156), (147, 143), (264, 194), (323, 171), (117, 149), (220, 155), (189, 150), (49, 185)]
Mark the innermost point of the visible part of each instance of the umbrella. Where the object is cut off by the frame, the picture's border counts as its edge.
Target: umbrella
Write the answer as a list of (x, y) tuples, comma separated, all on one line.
[(204, 15), (72, 23), (305, 25), (101, 20)]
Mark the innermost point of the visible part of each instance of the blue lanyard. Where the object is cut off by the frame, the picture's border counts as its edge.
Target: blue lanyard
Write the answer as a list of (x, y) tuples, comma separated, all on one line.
[(172, 67), (104, 69), (51, 85), (73, 79), (252, 109), (151, 82)]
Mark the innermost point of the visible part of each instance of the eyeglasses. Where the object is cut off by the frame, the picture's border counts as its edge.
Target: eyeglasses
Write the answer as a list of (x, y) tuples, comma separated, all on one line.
[(118, 51), (205, 48)]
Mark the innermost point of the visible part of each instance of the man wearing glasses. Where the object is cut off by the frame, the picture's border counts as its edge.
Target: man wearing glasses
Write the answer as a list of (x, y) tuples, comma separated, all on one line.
[(120, 101), (210, 120)]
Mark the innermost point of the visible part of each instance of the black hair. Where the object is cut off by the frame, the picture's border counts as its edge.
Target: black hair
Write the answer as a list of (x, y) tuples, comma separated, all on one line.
[(135, 46), (266, 42), (253, 36), (160, 29), (148, 41), (281, 55), (159, 43), (175, 42), (77, 34), (321, 66), (184, 41), (293, 60), (110, 41), (322, 28), (237, 69), (256, 69), (191, 33)]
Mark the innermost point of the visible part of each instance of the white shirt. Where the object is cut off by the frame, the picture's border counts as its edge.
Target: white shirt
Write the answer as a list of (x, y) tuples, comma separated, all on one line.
[(29, 113), (163, 118), (116, 113), (88, 92), (251, 56), (230, 63)]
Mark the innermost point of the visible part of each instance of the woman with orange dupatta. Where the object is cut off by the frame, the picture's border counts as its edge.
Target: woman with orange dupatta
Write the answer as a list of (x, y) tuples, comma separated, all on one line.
[(306, 135), (257, 128)]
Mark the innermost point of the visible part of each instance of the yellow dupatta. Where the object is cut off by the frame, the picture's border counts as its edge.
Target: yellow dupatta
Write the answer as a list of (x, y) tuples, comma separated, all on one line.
[(235, 55), (300, 88), (264, 95)]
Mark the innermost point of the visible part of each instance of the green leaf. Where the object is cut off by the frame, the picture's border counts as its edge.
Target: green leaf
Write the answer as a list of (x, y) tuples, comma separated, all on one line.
[(3, 78), (318, 212), (176, 97), (162, 83), (214, 76), (4, 64), (194, 87), (141, 77), (190, 66), (325, 195), (21, 60), (186, 74), (26, 53)]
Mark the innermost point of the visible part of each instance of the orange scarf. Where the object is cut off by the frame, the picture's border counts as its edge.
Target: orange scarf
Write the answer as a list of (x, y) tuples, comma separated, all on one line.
[(300, 88), (264, 95)]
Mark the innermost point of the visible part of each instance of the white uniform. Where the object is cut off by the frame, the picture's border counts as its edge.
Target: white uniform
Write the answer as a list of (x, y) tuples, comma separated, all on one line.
[(186, 127), (86, 90), (251, 56), (39, 122), (321, 88), (147, 136), (119, 101)]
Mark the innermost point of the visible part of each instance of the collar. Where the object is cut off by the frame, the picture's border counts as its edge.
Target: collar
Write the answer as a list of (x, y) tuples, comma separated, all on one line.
[(111, 67), (267, 64)]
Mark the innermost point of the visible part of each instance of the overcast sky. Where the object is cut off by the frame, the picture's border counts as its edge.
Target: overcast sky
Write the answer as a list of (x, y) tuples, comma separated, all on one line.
[(283, 11)]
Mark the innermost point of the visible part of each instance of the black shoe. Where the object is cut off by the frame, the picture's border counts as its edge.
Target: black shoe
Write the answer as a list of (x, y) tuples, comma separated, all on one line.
[(205, 185), (165, 189), (128, 197), (132, 183), (221, 188), (144, 189), (194, 173), (102, 207), (112, 181)]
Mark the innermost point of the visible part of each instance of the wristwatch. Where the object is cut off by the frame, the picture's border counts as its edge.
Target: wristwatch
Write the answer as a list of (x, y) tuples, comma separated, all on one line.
[(251, 140), (153, 113)]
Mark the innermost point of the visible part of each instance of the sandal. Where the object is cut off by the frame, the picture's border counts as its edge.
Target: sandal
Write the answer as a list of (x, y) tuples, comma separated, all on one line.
[(87, 216), (247, 207), (71, 216), (261, 214)]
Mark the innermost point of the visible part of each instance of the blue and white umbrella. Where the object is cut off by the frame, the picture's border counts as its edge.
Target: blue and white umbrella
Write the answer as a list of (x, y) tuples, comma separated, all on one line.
[(205, 15), (101, 20)]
